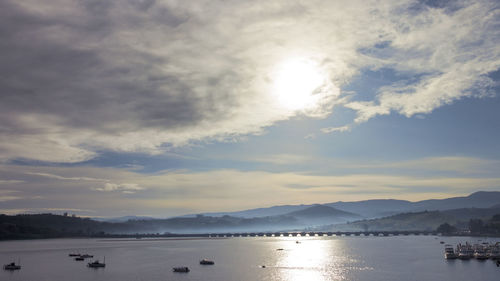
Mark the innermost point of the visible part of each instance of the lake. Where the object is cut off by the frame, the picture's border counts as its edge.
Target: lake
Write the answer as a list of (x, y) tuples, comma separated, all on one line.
[(240, 259)]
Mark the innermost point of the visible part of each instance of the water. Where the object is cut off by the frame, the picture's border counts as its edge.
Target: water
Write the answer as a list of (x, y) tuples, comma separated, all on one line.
[(240, 259)]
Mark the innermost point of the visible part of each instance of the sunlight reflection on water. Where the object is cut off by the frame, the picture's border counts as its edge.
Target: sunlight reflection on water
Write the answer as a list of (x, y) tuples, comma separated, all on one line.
[(310, 260)]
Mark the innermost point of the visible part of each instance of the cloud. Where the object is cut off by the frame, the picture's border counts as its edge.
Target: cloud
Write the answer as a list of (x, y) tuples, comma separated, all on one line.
[(462, 165), (453, 67), (8, 198), (170, 193), (80, 77), (280, 159), (10, 181), (336, 129), (64, 178), (129, 188)]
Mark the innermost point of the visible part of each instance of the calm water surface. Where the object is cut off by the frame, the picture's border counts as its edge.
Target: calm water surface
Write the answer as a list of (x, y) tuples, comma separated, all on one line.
[(240, 259)]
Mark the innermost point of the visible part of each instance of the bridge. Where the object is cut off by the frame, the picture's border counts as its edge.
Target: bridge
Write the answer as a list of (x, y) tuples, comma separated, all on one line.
[(267, 234), (305, 234)]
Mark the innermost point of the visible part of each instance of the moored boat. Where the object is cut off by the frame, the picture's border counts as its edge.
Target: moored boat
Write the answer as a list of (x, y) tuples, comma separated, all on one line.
[(183, 269), (79, 258), (465, 252), (449, 253), (12, 266), (96, 263), (480, 255), (207, 262), (494, 252)]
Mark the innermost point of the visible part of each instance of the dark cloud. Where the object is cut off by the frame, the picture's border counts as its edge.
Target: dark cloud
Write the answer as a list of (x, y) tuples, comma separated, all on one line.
[(80, 76)]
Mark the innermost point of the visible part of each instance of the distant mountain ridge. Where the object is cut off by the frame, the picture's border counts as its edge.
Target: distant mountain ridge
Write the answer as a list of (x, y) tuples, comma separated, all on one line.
[(314, 217), (424, 220), (380, 207), (321, 215), (124, 218), (321, 211)]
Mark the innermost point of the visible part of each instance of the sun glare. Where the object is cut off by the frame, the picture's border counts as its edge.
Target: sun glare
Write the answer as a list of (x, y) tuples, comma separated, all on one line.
[(295, 83)]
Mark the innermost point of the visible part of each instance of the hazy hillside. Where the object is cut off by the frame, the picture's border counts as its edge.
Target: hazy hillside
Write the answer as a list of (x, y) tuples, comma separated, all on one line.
[(373, 208), (321, 215), (406, 221), (260, 212), (426, 220), (380, 207), (481, 199)]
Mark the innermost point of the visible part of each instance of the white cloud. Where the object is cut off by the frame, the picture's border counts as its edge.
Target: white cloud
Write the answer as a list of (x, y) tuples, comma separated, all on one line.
[(64, 178), (336, 129), (10, 182), (453, 52), (125, 187), (123, 76)]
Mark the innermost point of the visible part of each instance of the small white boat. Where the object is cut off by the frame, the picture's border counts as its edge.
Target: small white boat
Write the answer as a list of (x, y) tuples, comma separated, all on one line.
[(183, 269), (449, 253), (12, 266)]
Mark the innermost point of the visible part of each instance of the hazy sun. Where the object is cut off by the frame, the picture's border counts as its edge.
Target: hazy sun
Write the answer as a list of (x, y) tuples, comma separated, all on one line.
[(295, 82)]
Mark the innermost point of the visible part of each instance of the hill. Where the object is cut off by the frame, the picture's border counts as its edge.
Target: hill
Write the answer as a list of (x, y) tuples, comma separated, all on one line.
[(425, 220), (321, 215), (380, 207), (259, 212)]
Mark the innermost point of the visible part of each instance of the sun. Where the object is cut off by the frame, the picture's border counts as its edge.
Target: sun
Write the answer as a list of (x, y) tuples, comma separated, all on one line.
[(295, 84)]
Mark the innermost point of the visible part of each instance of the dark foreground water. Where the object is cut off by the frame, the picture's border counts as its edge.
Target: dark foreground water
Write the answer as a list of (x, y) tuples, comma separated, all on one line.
[(240, 259)]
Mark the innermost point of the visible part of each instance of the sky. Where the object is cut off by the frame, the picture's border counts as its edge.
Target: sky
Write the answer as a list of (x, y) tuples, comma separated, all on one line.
[(163, 107)]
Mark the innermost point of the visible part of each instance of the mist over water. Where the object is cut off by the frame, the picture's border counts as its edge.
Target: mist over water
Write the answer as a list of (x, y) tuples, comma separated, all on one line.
[(314, 258)]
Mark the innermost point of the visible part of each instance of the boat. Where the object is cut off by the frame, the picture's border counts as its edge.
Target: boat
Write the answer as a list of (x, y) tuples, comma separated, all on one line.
[(465, 252), (96, 263), (80, 258), (85, 256), (73, 255), (207, 262), (449, 253), (12, 266), (183, 269), (494, 253), (480, 254)]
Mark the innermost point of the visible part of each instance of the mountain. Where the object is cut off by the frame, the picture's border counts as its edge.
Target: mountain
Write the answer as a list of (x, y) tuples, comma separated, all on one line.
[(386, 207), (378, 207), (259, 212), (321, 211), (480, 199), (321, 215), (402, 222), (465, 214), (339, 215), (425, 220), (374, 208), (123, 219)]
